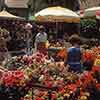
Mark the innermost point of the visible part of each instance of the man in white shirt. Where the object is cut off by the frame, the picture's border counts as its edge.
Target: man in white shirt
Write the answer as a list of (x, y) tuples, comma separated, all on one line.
[(41, 39)]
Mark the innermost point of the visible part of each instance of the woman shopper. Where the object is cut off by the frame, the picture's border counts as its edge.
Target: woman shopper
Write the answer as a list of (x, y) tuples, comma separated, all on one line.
[(40, 40), (74, 54)]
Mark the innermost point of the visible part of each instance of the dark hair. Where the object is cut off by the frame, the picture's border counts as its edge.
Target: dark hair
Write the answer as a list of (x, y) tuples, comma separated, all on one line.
[(41, 28), (75, 39)]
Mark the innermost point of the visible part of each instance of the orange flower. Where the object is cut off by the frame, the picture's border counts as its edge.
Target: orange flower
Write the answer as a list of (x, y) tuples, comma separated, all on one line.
[(62, 53)]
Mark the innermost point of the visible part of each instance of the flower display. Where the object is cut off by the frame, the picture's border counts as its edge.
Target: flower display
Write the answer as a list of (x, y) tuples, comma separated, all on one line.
[(12, 78), (36, 75)]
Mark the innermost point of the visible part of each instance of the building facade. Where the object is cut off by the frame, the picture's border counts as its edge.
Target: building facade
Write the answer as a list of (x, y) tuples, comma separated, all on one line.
[(18, 6), (89, 3), (1, 4), (37, 5)]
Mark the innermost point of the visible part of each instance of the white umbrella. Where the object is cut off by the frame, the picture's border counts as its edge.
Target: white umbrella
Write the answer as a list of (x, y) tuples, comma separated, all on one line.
[(57, 14), (5, 14), (91, 12)]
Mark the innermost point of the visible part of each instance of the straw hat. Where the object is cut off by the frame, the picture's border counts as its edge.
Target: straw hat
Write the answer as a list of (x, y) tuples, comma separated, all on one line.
[(28, 26), (41, 28)]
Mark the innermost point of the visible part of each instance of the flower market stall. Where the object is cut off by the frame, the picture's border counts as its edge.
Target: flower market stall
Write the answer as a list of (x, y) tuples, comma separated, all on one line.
[(44, 75), (36, 77)]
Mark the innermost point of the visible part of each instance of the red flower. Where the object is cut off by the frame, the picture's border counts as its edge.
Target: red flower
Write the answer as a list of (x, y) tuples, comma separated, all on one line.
[(48, 83), (62, 90), (72, 87), (54, 96), (96, 68), (98, 86), (38, 98), (13, 78)]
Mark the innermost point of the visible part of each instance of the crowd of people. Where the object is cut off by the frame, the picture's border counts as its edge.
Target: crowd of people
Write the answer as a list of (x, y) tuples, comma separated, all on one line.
[(19, 37)]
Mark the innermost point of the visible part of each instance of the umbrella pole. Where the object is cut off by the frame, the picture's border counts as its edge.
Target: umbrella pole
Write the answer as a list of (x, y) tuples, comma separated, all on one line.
[(56, 29)]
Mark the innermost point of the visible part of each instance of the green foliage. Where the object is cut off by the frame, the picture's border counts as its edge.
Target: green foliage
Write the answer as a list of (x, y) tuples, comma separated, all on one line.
[(89, 28), (88, 23)]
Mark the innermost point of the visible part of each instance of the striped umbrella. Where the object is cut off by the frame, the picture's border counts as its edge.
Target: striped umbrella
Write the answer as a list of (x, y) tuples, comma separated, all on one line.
[(57, 14)]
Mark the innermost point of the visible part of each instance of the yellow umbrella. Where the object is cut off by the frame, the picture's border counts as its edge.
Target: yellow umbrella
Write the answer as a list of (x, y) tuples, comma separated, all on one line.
[(57, 14), (5, 14)]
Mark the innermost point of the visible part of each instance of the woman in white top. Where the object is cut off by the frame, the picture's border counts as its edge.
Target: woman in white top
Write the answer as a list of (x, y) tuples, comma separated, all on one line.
[(41, 39)]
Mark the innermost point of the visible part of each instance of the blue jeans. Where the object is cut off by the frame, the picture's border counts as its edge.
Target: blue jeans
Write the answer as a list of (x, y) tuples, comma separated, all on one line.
[(76, 67)]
